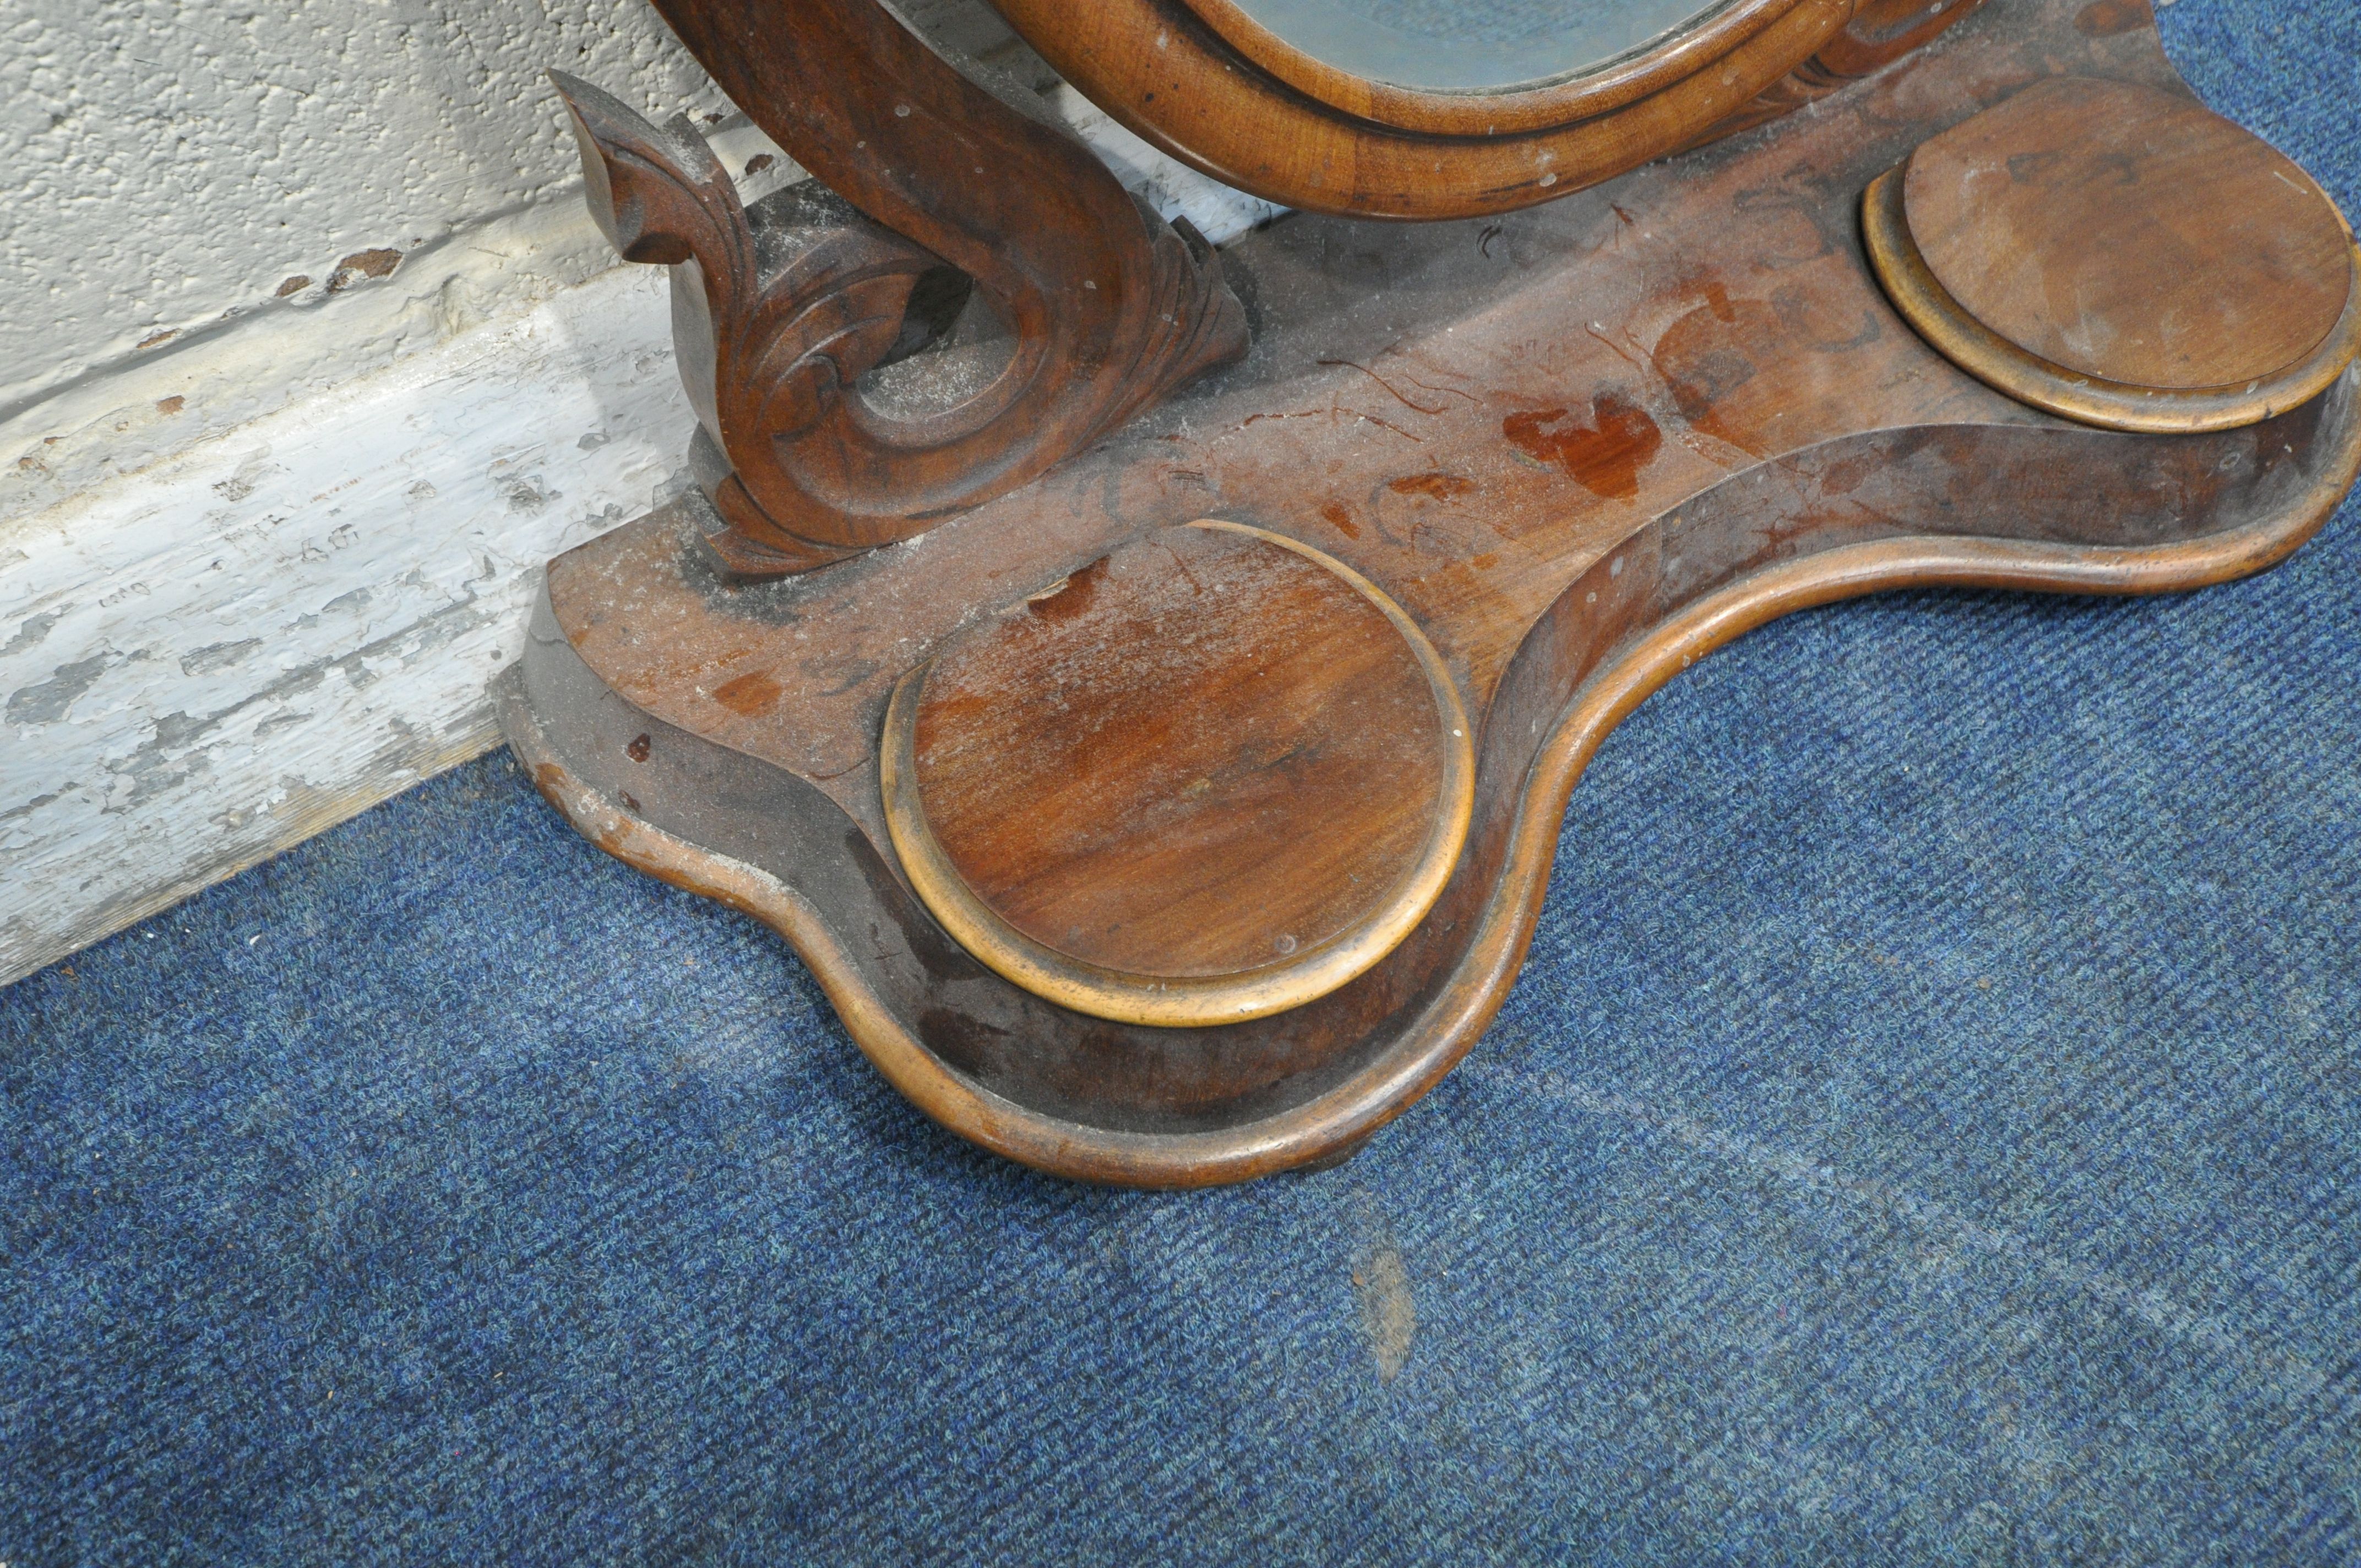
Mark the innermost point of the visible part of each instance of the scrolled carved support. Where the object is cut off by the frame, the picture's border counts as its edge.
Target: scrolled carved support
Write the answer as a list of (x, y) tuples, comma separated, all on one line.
[(778, 312)]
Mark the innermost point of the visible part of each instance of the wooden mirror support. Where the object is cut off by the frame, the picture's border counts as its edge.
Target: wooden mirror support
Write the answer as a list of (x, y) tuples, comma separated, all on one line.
[(779, 312), (1180, 810)]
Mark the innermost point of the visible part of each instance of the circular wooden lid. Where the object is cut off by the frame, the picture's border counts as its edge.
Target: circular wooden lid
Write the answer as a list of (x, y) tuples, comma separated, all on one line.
[(1210, 776), (2122, 255)]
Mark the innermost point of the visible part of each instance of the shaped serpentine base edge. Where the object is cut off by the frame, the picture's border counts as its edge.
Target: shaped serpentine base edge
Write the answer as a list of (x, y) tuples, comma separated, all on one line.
[(711, 820), (1578, 447)]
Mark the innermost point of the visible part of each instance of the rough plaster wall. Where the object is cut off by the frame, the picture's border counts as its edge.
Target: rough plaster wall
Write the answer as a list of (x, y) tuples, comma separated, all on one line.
[(170, 162)]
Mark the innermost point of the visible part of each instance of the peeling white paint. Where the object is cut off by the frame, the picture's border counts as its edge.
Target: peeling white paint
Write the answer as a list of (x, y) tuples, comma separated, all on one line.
[(159, 403), (207, 661)]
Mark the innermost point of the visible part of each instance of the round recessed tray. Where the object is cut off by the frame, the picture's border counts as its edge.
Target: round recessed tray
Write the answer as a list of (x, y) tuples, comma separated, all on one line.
[(1210, 776), (2122, 255)]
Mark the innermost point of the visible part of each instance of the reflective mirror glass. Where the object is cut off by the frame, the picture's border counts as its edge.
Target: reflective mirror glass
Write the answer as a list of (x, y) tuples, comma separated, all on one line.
[(1469, 45)]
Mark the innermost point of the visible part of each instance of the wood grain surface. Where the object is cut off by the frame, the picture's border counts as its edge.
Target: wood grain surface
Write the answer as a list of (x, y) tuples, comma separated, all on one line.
[(2130, 233), (1199, 755), (2113, 277)]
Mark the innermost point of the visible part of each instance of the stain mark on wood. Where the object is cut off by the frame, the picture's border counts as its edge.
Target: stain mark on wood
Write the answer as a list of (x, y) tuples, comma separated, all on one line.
[(1604, 456), (1440, 486), (750, 695)]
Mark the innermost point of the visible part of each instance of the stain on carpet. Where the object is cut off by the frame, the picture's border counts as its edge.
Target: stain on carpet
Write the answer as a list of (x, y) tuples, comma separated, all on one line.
[(1388, 1317)]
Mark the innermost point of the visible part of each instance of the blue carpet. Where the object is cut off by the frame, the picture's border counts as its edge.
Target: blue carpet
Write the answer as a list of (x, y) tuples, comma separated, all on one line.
[(1928, 1131)]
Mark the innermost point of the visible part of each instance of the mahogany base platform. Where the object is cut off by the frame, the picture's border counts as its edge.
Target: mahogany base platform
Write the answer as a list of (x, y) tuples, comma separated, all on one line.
[(1184, 815)]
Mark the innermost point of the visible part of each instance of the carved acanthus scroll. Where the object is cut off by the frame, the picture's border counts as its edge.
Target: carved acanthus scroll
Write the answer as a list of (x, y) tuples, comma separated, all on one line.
[(779, 311)]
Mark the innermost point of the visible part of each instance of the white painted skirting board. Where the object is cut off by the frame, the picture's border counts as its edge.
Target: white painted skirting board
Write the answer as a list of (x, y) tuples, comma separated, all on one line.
[(215, 658), (247, 640)]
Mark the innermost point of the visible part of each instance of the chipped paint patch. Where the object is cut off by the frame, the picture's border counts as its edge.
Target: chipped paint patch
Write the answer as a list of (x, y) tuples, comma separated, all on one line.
[(207, 660)]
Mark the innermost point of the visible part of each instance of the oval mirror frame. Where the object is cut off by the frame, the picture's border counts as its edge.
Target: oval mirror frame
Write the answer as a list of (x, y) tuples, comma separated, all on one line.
[(1548, 98), (1203, 80)]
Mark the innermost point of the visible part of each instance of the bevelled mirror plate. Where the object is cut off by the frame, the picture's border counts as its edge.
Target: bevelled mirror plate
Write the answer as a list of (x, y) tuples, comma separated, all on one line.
[(1470, 46)]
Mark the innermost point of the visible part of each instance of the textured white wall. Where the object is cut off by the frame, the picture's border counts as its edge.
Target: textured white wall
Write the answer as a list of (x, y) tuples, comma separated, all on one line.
[(165, 163)]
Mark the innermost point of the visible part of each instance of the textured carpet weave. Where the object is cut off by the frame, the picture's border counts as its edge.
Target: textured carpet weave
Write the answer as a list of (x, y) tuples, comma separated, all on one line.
[(1928, 1131)]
